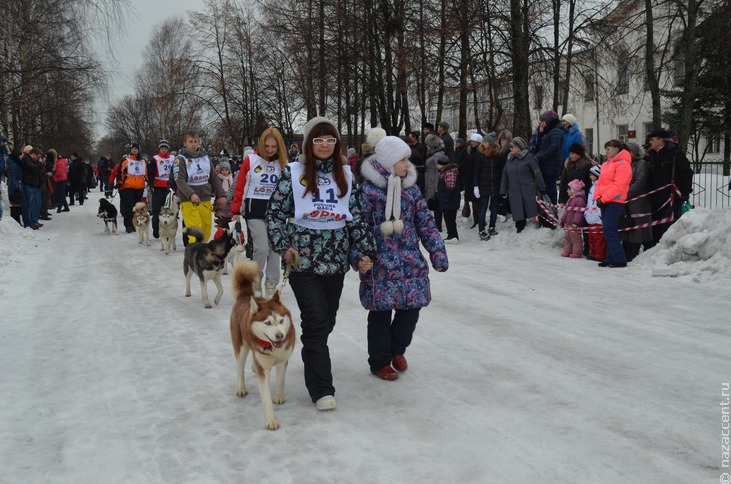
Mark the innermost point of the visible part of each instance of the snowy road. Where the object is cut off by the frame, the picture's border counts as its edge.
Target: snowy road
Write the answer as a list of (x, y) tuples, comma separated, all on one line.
[(527, 367)]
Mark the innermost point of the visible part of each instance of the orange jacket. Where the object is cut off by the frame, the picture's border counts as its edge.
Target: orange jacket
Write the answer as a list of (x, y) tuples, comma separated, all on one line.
[(132, 181), (614, 179)]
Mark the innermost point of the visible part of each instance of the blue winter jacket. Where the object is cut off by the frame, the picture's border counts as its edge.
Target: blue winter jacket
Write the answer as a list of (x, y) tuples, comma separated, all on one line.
[(400, 275), (571, 136)]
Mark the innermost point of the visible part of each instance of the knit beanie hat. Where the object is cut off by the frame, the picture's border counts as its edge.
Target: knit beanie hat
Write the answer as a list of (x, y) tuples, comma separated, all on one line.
[(520, 143), (491, 138), (389, 151), (477, 137), (578, 149), (548, 116), (224, 165), (163, 144), (314, 122), (576, 185), (595, 170), (633, 147), (569, 118)]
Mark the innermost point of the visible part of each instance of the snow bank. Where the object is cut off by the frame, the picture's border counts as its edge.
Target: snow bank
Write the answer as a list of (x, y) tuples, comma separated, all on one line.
[(697, 245), (13, 239)]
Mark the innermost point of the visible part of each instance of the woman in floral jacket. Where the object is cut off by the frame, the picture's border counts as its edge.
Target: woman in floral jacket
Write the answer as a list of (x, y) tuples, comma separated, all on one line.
[(313, 219), (398, 282)]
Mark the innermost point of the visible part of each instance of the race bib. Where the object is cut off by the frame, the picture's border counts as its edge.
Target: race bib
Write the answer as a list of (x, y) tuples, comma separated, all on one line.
[(327, 211), (136, 167), (263, 177), (199, 170), (164, 166)]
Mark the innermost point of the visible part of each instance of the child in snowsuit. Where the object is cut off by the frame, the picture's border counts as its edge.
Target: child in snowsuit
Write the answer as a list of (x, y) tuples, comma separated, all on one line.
[(573, 220), (593, 217), (398, 280)]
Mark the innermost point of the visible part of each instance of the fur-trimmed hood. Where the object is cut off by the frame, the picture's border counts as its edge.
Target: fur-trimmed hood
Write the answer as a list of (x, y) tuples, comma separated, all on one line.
[(379, 176), (491, 150)]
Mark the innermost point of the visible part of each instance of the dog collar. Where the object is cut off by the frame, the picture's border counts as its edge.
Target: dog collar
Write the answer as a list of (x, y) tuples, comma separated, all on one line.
[(264, 344)]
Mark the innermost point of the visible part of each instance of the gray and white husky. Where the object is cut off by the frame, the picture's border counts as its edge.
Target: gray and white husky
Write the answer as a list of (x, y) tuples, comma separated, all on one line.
[(207, 261)]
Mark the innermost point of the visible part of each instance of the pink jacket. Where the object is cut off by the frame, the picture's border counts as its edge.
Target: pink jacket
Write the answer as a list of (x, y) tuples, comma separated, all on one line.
[(614, 180), (61, 170)]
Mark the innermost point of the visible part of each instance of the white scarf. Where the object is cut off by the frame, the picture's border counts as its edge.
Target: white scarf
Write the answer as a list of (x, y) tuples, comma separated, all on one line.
[(393, 223)]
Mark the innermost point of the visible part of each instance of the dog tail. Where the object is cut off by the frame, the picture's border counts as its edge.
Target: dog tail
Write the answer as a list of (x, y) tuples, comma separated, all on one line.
[(196, 232), (140, 205), (245, 274)]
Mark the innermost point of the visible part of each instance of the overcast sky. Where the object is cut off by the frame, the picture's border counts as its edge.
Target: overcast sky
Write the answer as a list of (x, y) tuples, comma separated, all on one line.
[(131, 41)]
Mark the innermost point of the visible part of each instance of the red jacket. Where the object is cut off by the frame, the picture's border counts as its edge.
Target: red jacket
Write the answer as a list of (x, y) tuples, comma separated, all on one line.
[(61, 170), (240, 186), (614, 179)]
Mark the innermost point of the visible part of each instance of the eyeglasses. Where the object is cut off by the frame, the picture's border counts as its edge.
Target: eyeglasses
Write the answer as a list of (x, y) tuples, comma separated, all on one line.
[(321, 141)]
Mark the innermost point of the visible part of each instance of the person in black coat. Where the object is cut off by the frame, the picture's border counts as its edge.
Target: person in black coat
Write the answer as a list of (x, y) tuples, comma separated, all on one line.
[(550, 154), (667, 165), (443, 131), (487, 174), (77, 179), (32, 179)]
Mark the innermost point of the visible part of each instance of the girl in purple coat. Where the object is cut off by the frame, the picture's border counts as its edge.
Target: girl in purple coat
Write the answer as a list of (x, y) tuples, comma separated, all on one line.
[(572, 220), (396, 285)]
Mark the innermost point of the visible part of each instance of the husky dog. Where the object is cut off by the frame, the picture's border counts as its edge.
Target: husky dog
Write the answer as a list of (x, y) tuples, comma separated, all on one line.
[(168, 229), (141, 221), (206, 260), (108, 212), (264, 328), (238, 249)]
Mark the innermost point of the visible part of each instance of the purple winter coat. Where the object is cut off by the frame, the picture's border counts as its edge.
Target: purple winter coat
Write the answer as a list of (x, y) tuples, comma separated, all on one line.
[(571, 217), (400, 275)]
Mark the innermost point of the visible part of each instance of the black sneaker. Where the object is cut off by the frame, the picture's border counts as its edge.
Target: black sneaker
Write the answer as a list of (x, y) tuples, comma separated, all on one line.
[(492, 232), (484, 235), (130, 230)]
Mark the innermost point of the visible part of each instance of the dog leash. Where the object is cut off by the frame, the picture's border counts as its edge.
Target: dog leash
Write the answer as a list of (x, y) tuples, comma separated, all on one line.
[(295, 263)]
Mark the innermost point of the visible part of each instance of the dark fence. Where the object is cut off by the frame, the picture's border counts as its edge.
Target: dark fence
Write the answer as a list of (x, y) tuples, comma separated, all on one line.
[(710, 185)]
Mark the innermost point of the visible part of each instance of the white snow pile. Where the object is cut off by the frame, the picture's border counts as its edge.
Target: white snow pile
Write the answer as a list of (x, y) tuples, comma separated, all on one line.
[(14, 239), (697, 245)]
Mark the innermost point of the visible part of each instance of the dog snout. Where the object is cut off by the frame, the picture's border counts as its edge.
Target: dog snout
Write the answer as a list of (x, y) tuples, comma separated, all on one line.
[(279, 336)]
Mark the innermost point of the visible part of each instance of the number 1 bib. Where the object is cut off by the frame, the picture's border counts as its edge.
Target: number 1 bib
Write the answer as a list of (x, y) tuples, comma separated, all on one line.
[(328, 211)]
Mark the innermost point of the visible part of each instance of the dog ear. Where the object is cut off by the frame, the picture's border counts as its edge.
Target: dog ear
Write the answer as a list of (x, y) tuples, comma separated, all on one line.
[(253, 307), (275, 297)]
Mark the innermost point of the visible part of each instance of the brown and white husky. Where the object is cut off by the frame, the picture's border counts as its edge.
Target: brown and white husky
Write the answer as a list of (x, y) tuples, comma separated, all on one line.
[(264, 328)]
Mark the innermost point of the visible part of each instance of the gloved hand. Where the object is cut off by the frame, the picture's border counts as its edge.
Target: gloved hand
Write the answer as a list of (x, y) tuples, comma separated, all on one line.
[(600, 204), (477, 192)]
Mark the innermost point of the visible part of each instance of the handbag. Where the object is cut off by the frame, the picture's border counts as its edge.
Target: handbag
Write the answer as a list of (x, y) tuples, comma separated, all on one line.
[(466, 212), (432, 204)]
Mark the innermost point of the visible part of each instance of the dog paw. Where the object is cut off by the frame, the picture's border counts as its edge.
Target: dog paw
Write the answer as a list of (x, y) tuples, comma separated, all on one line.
[(241, 392), (187, 294), (278, 399), (272, 424), (208, 306)]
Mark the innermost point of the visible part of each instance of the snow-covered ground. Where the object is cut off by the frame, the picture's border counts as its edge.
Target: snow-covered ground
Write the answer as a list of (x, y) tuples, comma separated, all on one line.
[(527, 367)]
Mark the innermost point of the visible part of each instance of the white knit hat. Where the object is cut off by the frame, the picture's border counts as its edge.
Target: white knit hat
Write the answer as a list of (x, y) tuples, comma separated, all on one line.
[(475, 137), (390, 150), (569, 118), (314, 122)]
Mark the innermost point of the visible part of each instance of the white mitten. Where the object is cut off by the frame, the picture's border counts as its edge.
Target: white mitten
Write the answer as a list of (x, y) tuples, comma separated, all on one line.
[(477, 192)]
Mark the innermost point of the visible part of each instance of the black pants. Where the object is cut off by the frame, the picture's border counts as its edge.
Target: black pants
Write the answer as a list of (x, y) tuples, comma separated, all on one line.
[(450, 220), (73, 189), (520, 225), (387, 338), (438, 219), (158, 200), (127, 199), (318, 298), (631, 250)]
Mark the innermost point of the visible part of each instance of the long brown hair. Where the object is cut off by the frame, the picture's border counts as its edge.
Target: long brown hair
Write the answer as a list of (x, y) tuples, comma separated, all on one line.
[(338, 160)]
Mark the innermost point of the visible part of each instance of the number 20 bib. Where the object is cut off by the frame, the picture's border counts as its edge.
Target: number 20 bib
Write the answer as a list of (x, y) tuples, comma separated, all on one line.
[(327, 211)]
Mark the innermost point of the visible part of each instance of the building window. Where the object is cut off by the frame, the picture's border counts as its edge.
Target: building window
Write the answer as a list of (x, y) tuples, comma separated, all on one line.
[(538, 98), (622, 132), (589, 88), (589, 134), (679, 67), (623, 73), (714, 145)]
